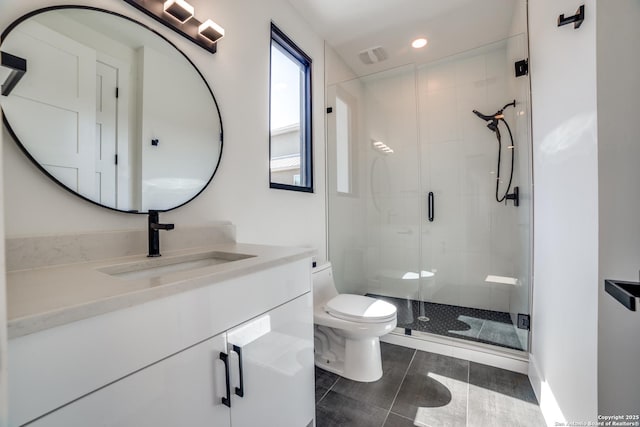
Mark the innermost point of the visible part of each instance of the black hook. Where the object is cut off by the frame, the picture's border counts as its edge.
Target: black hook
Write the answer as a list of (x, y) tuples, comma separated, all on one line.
[(576, 19)]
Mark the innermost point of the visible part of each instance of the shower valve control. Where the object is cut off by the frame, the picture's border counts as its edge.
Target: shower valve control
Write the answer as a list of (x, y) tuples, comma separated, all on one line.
[(522, 67), (524, 321), (515, 196)]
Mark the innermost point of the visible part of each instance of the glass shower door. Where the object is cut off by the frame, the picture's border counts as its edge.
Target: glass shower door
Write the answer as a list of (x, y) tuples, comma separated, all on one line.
[(394, 206), (413, 216), (374, 197), (474, 249)]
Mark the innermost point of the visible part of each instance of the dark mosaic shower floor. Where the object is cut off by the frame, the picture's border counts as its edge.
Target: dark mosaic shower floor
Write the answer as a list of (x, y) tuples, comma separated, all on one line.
[(471, 324)]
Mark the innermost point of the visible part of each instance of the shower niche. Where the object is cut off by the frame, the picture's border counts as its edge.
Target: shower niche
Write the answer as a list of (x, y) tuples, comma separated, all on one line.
[(419, 212)]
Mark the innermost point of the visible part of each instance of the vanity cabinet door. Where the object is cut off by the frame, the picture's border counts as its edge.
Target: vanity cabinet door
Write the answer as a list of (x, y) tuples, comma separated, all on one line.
[(182, 390), (275, 351)]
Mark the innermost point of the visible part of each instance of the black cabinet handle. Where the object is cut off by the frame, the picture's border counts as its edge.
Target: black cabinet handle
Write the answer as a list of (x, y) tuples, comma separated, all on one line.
[(239, 390), (431, 207), (226, 400)]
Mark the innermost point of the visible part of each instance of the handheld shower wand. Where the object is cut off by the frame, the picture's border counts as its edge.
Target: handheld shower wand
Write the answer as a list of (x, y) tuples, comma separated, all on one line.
[(493, 122)]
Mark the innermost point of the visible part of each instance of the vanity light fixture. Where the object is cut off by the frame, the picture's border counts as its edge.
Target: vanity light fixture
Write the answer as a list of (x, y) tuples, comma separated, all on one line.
[(180, 17), (418, 43), (211, 30), (179, 9)]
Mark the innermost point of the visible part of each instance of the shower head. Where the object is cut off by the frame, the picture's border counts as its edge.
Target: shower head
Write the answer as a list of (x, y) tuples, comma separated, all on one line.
[(493, 120), (495, 116)]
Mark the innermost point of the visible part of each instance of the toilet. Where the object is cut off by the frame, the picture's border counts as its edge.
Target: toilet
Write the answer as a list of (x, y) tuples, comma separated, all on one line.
[(347, 329)]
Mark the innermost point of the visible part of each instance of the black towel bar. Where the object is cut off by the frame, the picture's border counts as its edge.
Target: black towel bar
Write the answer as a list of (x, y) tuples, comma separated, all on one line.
[(18, 67)]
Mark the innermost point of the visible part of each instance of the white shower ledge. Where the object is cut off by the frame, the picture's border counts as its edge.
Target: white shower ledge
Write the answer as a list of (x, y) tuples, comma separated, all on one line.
[(43, 298)]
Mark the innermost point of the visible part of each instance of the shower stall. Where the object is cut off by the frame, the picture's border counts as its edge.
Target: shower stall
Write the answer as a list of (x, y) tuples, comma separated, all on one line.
[(414, 184)]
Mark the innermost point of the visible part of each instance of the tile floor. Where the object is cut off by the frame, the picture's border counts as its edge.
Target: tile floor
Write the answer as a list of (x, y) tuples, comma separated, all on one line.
[(426, 389), (471, 324)]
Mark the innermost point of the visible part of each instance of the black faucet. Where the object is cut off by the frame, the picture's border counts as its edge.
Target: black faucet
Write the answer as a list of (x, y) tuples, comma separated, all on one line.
[(154, 234)]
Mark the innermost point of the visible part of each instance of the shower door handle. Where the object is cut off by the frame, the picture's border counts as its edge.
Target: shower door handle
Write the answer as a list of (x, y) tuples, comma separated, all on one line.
[(430, 207)]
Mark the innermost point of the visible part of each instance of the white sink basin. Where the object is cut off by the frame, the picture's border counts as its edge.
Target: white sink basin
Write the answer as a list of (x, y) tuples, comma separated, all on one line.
[(154, 267)]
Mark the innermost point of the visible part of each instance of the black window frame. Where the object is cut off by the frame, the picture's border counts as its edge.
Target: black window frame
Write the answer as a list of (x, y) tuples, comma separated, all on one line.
[(306, 144)]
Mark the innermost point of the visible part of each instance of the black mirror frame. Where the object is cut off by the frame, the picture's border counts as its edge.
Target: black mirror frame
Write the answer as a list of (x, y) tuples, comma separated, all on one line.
[(23, 18)]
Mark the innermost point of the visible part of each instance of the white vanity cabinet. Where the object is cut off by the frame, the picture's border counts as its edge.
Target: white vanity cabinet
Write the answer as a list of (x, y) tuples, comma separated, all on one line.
[(161, 363), (275, 352), (177, 391)]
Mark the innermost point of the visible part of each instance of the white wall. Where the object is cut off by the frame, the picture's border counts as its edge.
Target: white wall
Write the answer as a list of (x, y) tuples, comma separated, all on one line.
[(565, 165), (335, 68), (619, 177), (183, 117), (239, 77)]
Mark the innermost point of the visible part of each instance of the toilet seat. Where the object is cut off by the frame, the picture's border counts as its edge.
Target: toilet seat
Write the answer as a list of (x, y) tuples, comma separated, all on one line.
[(358, 308)]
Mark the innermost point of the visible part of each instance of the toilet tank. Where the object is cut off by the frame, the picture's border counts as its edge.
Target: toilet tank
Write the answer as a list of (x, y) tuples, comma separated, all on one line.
[(323, 286)]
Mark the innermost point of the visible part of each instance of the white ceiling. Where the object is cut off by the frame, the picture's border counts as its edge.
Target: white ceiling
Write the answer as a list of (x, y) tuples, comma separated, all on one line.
[(451, 26)]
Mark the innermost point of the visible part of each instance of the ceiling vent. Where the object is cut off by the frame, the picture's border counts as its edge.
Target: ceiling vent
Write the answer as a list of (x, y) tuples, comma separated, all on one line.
[(373, 55)]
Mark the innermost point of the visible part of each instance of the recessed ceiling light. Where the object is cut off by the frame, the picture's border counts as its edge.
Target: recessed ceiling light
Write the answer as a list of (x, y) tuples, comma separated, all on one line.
[(418, 43)]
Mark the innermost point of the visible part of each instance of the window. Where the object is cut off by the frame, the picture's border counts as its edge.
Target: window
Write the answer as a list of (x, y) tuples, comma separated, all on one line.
[(343, 146), (342, 138), (290, 115)]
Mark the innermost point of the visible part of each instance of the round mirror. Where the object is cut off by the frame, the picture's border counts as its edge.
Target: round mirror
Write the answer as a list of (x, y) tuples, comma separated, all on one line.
[(111, 110)]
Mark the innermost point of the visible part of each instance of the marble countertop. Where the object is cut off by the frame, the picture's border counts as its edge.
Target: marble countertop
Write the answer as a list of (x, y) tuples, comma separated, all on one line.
[(46, 297)]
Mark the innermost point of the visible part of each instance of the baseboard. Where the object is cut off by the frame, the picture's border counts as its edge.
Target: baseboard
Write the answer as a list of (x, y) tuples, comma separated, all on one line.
[(547, 401), (511, 360), (534, 377)]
